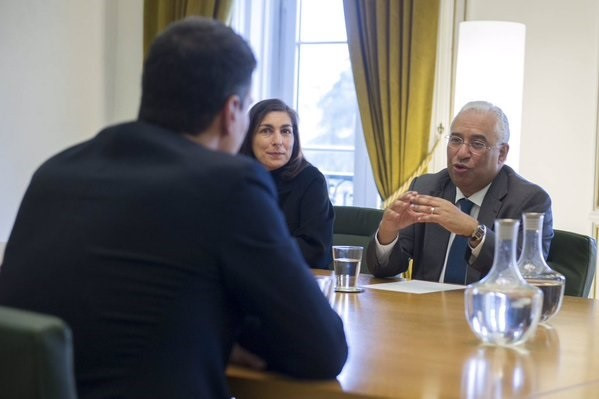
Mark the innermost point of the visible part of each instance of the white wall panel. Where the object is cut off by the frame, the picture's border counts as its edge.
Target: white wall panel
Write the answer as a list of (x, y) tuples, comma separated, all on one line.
[(68, 67)]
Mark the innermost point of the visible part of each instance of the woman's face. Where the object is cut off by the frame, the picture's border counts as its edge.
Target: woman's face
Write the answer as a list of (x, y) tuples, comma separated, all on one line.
[(273, 140)]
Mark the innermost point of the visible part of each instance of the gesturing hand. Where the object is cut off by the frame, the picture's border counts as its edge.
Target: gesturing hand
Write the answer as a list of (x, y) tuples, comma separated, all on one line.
[(397, 216), (438, 210), (243, 357)]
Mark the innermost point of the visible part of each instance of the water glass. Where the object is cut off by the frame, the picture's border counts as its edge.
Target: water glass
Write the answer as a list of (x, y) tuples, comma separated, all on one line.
[(346, 264)]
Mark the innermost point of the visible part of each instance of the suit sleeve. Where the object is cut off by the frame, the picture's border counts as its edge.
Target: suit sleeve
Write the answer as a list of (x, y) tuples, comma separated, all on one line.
[(293, 326), (399, 259)]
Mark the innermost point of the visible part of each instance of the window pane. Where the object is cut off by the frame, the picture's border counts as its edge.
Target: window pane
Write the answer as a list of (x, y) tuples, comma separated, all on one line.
[(330, 161), (328, 114), (326, 97), (341, 190), (322, 21)]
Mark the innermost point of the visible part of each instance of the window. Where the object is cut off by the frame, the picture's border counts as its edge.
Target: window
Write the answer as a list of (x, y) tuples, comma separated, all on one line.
[(301, 46)]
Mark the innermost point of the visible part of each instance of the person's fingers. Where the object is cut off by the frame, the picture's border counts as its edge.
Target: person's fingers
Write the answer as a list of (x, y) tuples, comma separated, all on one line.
[(425, 209), (243, 357)]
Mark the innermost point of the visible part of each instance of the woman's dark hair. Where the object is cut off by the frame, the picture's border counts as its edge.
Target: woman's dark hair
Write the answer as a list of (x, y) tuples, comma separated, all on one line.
[(297, 162), (192, 68)]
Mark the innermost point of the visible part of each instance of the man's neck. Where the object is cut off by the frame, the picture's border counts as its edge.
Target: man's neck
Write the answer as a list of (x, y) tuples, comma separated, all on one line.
[(206, 139)]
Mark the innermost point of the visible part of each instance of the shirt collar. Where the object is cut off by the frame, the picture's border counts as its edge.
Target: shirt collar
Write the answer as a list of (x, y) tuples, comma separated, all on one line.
[(477, 198)]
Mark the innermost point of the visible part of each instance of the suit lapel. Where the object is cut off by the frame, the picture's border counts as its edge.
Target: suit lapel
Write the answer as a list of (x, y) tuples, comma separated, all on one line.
[(494, 199)]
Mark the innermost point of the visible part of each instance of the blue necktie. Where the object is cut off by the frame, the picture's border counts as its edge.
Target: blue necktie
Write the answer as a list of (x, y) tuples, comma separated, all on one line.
[(455, 271)]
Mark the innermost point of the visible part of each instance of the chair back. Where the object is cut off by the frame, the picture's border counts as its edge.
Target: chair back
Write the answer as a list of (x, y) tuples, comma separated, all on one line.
[(574, 255), (356, 226), (36, 356)]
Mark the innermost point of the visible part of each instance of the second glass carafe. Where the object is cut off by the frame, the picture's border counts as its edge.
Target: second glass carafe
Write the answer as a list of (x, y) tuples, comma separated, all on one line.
[(535, 270)]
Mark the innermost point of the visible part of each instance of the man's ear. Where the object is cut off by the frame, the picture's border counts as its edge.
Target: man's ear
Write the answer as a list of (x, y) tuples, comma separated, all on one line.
[(503, 150), (230, 115)]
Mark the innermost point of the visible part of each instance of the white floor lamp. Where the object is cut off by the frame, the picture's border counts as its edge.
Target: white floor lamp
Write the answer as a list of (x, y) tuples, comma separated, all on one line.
[(490, 66)]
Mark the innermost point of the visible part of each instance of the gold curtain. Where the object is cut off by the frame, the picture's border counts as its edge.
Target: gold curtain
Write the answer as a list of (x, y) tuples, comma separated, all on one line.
[(159, 13), (393, 47)]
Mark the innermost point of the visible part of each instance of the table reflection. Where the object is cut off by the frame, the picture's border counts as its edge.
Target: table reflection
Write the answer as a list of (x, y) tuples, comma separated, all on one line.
[(344, 303), (498, 372), (502, 372), (545, 341), (545, 352)]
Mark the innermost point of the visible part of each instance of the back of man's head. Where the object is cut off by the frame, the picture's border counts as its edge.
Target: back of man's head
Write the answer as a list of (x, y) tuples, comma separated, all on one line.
[(192, 68)]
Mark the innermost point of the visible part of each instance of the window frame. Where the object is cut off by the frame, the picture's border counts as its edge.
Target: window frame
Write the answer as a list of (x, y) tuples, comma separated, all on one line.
[(277, 48)]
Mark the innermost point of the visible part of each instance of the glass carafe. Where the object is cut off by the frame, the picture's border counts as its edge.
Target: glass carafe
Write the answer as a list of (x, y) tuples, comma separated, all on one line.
[(502, 308), (535, 270)]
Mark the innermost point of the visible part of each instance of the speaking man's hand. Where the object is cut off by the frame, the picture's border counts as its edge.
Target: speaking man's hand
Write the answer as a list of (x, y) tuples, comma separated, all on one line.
[(397, 216), (438, 210)]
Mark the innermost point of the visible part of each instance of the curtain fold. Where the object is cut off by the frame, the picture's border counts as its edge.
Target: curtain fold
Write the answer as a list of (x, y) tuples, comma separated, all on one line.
[(159, 13), (393, 47)]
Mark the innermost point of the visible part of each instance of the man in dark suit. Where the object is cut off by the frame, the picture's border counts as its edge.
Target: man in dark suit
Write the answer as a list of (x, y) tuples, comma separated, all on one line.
[(424, 223), (161, 249)]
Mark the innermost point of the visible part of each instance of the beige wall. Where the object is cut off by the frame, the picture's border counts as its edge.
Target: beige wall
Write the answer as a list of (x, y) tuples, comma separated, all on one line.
[(560, 104), (68, 68)]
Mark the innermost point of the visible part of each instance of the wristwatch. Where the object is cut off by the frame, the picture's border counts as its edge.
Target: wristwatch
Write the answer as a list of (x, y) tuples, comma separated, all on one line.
[(478, 235)]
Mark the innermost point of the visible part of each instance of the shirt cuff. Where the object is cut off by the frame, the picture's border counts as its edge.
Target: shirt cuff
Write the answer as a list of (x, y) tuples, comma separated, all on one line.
[(476, 250), (383, 252)]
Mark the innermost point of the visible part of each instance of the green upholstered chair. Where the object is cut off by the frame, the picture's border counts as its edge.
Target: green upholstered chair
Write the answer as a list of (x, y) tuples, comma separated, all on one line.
[(36, 356), (574, 255), (355, 226)]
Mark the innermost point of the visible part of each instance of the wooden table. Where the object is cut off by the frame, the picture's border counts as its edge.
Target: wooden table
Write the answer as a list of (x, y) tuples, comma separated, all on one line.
[(420, 346)]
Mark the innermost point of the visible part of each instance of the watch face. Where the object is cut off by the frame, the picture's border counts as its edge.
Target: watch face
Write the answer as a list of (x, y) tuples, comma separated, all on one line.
[(482, 231)]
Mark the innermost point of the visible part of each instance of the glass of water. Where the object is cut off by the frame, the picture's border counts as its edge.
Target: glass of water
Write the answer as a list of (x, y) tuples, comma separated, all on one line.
[(346, 264)]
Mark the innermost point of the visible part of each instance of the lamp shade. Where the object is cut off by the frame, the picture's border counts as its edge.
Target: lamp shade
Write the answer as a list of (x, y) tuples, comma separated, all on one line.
[(490, 67)]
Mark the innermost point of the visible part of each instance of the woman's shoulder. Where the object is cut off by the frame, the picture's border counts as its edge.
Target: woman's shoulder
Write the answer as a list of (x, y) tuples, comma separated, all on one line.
[(310, 173), (308, 176)]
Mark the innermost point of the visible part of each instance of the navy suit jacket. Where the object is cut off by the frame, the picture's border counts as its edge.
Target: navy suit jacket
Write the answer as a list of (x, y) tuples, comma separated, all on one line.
[(156, 252), (426, 243)]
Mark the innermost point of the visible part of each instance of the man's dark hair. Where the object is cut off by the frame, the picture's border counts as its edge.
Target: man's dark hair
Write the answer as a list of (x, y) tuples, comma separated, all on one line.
[(296, 162), (192, 68)]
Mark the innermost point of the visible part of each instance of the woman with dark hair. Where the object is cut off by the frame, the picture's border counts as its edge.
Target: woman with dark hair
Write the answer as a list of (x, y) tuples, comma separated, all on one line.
[(273, 140)]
